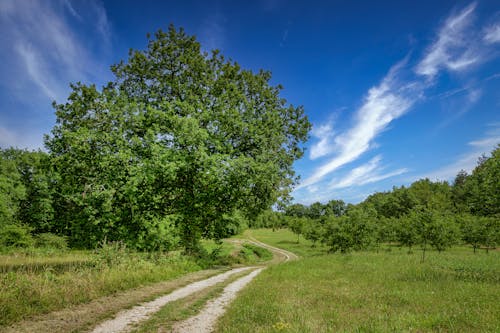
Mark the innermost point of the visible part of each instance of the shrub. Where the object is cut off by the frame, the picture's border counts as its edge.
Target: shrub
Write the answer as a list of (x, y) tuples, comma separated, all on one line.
[(13, 235), (111, 253), (52, 241)]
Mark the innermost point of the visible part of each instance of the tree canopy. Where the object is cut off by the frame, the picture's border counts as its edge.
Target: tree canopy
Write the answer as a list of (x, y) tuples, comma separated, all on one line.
[(180, 139)]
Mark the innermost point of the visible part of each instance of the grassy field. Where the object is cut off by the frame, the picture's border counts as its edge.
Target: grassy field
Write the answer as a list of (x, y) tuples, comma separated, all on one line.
[(37, 282), (453, 291)]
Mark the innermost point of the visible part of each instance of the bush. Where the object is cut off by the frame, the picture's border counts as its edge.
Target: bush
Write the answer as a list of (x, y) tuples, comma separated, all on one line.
[(52, 241), (111, 254), (13, 235)]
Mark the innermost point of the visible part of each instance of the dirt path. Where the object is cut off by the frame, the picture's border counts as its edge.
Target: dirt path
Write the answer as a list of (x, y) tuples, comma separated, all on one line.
[(205, 321), (286, 254), (124, 320)]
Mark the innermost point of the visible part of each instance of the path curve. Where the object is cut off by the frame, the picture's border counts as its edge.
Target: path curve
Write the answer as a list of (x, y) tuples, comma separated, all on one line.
[(287, 254), (206, 319)]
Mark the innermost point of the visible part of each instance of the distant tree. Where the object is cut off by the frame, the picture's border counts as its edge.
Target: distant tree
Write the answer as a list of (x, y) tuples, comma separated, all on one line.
[(473, 230), (443, 231), (36, 208), (482, 187), (296, 225), (337, 235), (432, 195), (431, 228), (406, 232), (316, 210), (297, 210), (354, 231), (480, 231), (386, 230), (312, 230), (12, 190), (267, 219), (335, 208), (460, 192)]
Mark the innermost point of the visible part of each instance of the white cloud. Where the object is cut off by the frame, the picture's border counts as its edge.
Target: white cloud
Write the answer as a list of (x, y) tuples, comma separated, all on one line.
[(51, 52), (38, 74), (474, 95), (454, 48), (102, 23), (384, 103), (323, 147), (52, 43), (365, 174), (492, 34)]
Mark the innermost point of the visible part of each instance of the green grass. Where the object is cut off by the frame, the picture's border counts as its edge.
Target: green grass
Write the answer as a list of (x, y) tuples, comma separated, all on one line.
[(36, 282), (39, 261), (285, 239), (453, 291), (27, 293)]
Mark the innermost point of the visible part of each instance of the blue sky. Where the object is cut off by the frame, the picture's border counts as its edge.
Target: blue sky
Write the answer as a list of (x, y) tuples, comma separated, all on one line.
[(396, 90)]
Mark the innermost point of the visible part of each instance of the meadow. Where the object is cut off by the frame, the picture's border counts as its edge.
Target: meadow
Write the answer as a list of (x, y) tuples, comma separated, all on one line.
[(385, 291), (38, 281)]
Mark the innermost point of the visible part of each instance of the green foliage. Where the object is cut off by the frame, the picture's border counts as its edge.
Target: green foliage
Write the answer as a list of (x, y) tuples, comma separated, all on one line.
[(178, 132), (480, 231), (268, 219), (407, 232), (51, 241), (25, 189), (337, 235), (354, 231), (479, 193), (317, 210), (12, 191), (158, 233), (14, 235), (313, 230), (296, 225), (110, 254)]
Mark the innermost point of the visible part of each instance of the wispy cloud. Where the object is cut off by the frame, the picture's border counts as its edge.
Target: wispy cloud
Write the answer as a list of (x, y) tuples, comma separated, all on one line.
[(52, 43), (365, 174), (324, 133), (50, 50), (454, 49), (492, 34), (384, 103), (212, 31)]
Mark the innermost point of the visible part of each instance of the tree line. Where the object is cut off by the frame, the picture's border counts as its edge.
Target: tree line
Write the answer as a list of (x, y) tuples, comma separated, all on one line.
[(182, 144), (425, 214)]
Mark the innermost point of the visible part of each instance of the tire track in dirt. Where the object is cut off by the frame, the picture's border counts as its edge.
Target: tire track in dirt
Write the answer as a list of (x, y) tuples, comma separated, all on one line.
[(124, 320), (205, 321)]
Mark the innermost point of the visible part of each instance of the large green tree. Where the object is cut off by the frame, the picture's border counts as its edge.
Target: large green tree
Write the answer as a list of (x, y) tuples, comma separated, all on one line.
[(181, 138)]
